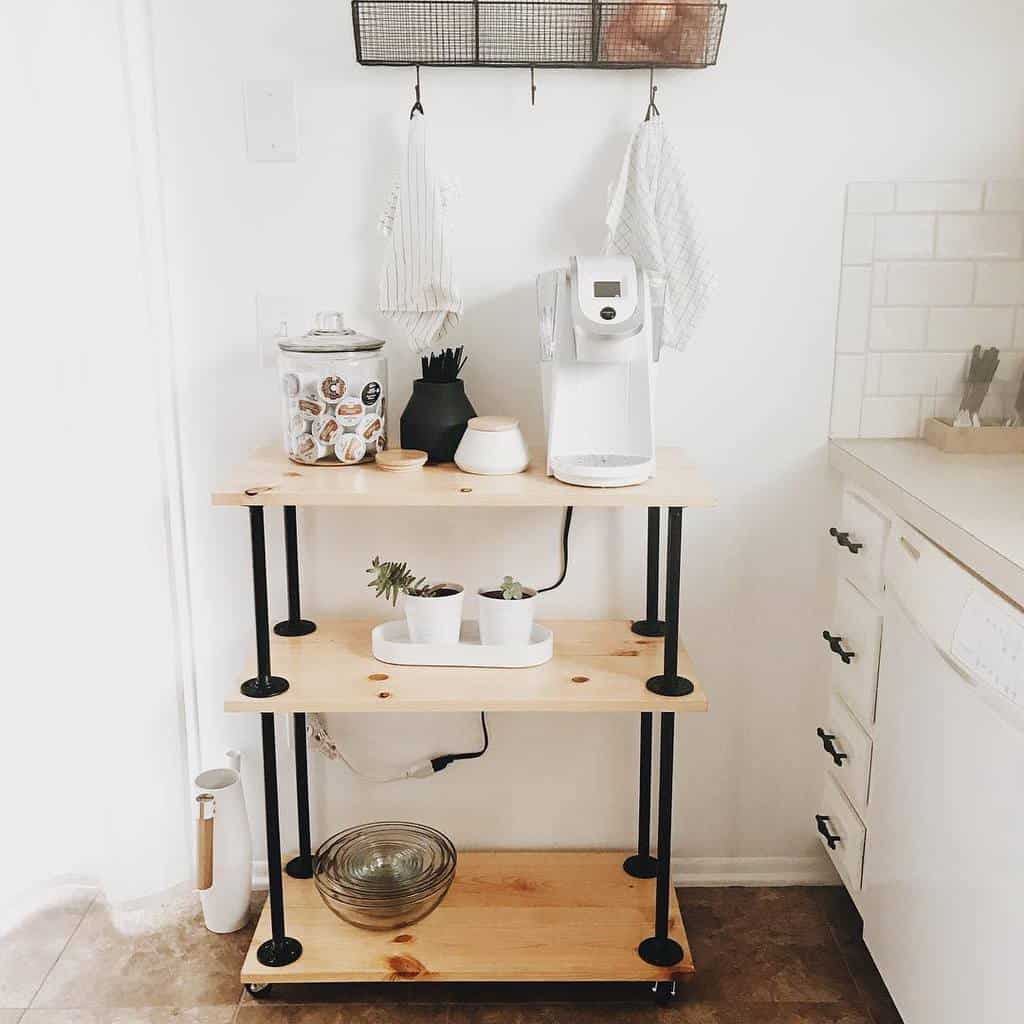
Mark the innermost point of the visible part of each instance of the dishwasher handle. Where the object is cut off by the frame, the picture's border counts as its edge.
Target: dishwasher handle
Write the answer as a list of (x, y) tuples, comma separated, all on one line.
[(828, 742), (823, 820), (835, 643)]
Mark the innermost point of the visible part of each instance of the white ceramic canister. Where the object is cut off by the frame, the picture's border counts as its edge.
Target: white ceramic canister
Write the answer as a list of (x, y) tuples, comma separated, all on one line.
[(226, 902), (492, 446), (434, 620), (334, 386), (506, 622)]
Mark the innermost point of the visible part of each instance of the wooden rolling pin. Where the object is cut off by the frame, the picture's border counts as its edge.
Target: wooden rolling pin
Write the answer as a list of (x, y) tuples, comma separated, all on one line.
[(204, 841)]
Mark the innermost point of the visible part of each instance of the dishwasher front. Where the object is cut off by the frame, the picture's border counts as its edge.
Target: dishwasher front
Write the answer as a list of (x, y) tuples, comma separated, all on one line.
[(943, 892)]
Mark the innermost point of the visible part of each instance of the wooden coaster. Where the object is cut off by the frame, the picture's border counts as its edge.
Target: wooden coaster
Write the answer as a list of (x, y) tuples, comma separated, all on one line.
[(401, 460)]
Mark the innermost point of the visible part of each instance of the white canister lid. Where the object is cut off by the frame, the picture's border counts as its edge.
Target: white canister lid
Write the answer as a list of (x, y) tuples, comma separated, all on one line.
[(492, 424)]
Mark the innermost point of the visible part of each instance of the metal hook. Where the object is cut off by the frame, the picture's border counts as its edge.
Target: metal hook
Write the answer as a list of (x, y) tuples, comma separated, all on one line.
[(652, 107), (533, 90), (417, 105)]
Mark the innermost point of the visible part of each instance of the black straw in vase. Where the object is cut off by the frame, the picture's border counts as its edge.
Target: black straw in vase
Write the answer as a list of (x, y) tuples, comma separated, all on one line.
[(443, 367)]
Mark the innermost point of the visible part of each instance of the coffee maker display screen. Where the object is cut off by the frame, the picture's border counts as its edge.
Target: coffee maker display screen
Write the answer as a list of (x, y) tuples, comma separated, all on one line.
[(607, 289)]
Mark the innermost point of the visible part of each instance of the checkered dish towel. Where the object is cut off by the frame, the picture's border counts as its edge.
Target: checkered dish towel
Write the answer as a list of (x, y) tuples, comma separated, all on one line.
[(417, 286), (651, 219)]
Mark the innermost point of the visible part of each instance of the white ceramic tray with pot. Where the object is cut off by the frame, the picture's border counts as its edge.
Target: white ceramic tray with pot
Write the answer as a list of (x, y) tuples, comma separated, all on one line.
[(391, 644)]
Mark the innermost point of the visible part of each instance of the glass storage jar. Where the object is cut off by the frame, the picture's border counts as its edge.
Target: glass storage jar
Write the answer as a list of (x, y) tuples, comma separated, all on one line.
[(334, 385)]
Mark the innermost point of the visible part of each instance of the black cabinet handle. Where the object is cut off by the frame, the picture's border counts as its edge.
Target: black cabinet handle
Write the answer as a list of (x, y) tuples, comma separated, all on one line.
[(828, 742), (823, 820), (835, 643), (843, 540)]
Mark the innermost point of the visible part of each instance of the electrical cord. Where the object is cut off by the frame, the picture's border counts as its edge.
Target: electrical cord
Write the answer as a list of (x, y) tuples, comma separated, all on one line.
[(566, 524)]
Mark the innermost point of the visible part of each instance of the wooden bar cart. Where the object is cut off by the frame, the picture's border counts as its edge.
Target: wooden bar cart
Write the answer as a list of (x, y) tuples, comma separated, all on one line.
[(509, 916)]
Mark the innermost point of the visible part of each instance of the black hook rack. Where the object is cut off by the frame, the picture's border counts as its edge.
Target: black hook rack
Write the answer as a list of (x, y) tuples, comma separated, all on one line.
[(652, 107), (417, 105)]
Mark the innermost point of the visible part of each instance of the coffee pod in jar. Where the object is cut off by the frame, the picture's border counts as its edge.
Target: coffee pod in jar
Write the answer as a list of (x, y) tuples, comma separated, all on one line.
[(290, 384), (369, 427), (311, 408), (296, 424), (370, 393), (326, 430), (332, 388), (349, 412), (305, 449), (352, 448)]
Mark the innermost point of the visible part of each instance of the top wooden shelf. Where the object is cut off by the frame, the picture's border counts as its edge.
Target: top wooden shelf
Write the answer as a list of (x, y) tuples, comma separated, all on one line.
[(268, 477)]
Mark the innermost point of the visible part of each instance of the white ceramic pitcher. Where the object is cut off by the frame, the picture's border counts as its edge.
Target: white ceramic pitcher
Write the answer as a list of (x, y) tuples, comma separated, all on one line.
[(226, 890)]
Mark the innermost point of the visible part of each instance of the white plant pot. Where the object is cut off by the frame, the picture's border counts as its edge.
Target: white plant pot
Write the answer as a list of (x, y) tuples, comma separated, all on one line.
[(434, 620), (226, 902), (506, 622)]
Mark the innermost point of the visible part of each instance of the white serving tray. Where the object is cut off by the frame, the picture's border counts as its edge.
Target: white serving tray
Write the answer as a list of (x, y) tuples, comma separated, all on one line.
[(391, 644)]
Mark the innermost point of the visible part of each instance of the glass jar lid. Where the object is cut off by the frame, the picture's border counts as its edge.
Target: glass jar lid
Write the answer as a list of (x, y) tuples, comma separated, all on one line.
[(328, 334)]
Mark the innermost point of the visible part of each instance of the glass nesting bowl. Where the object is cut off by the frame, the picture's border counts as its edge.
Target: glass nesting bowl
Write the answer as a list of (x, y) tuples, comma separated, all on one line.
[(384, 875)]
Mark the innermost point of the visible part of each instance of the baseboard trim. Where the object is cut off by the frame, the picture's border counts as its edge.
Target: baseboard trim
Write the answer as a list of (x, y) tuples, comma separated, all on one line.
[(711, 871)]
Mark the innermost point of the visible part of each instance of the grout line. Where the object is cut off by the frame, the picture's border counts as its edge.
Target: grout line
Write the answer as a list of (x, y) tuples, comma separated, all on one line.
[(63, 950)]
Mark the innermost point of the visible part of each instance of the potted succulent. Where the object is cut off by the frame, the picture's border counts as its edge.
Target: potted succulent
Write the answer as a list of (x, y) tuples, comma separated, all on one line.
[(433, 611), (506, 613)]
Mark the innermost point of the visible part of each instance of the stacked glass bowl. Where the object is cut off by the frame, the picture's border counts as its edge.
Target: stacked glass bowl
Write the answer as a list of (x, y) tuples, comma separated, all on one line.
[(384, 875)]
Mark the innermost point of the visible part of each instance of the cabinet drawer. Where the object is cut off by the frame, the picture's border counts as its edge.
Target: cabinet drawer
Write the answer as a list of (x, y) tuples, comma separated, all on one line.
[(842, 833), (860, 536), (846, 748), (855, 637)]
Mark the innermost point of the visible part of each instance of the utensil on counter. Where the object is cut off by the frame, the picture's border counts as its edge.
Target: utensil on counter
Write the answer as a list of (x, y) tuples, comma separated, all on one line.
[(435, 418), (385, 874), (492, 446), (980, 374)]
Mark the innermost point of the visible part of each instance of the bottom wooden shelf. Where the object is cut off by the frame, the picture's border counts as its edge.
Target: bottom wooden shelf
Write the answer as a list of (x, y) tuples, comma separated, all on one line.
[(537, 916)]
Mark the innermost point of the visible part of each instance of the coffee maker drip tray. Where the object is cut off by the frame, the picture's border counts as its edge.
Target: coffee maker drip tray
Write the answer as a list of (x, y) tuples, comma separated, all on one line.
[(594, 469)]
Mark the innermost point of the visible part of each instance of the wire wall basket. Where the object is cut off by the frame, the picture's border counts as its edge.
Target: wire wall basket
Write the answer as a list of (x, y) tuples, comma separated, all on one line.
[(537, 33)]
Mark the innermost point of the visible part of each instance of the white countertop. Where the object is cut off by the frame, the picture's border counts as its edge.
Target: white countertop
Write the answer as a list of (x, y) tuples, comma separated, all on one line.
[(971, 505)]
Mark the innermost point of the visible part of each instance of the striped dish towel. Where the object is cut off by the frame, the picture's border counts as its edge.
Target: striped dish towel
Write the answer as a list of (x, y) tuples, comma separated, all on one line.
[(417, 286), (651, 219)]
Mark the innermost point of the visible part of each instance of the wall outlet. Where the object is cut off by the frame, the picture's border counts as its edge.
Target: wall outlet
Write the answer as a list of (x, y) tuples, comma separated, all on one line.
[(271, 134)]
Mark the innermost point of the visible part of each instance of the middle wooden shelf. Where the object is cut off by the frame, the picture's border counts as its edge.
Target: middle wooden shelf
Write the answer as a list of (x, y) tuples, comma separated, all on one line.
[(598, 665)]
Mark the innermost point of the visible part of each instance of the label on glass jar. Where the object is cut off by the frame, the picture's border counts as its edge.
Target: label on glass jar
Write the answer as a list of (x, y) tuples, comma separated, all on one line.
[(369, 427), (371, 392), (326, 430), (350, 412), (332, 388), (310, 407)]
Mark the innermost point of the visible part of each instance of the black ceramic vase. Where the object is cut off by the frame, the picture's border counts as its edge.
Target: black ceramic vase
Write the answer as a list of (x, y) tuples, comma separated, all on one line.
[(435, 418)]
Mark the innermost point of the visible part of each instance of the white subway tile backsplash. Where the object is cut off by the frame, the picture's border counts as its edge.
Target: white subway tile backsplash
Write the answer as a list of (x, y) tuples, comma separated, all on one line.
[(871, 197), (890, 417), (930, 284), (1000, 284), (926, 411), (907, 236), (945, 196), (1011, 366), (907, 373), (854, 309), (1005, 195), (898, 329), (950, 372), (979, 236), (847, 393), (872, 373), (947, 406), (956, 330), (1018, 334), (879, 284), (858, 239)]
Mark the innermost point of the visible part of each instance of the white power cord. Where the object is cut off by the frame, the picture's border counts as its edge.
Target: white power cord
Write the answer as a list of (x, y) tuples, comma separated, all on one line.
[(321, 740)]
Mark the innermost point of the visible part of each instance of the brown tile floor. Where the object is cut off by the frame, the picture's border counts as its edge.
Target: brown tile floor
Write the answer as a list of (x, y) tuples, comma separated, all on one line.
[(764, 956)]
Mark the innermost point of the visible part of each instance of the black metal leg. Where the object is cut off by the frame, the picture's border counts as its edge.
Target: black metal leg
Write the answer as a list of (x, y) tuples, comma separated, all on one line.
[(670, 683), (301, 866), (659, 949), (264, 684), (295, 624), (642, 864), (279, 950), (652, 625)]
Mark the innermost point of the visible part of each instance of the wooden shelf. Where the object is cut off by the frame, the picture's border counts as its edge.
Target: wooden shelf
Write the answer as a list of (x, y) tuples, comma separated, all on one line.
[(507, 917), (269, 478), (597, 666)]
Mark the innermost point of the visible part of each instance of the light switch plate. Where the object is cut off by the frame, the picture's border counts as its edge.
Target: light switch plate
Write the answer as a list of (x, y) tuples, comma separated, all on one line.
[(270, 124)]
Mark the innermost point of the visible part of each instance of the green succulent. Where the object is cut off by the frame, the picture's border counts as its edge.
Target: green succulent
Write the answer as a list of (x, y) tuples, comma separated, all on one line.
[(511, 589), (393, 578)]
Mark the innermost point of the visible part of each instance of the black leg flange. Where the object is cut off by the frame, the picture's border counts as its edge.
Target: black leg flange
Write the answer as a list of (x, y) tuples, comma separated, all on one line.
[(660, 952), (279, 953), (640, 866), (300, 867), (670, 686), (297, 627), (649, 627), (269, 687)]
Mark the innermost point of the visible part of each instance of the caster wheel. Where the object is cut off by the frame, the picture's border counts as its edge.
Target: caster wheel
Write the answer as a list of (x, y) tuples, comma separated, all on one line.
[(664, 992), (258, 991)]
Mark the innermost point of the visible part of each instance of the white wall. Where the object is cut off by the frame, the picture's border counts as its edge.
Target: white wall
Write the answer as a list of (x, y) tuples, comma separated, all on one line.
[(806, 98)]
